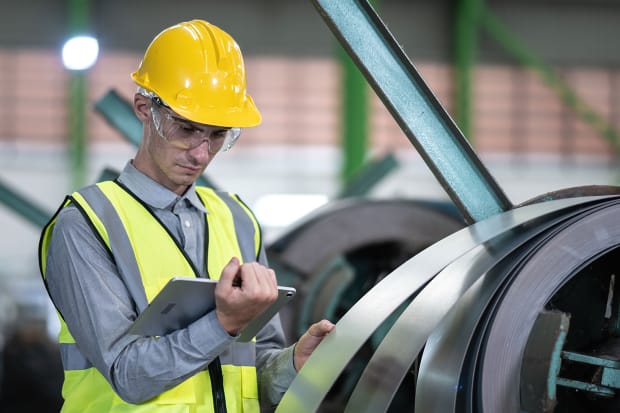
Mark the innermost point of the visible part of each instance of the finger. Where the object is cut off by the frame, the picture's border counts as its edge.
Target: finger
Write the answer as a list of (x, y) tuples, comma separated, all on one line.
[(248, 277), (263, 276), (230, 272), (267, 280), (272, 278), (321, 329)]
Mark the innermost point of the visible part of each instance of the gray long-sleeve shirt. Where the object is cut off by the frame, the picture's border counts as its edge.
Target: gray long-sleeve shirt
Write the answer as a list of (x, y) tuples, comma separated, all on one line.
[(84, 285)]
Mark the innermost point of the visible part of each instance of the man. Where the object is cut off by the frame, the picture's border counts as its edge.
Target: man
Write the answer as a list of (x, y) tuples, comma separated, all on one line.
[(111, 247)]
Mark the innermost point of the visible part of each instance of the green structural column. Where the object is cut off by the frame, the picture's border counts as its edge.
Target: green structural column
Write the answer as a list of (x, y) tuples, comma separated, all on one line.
[(78, 11), (354, 118), (77, 128), (525, 56), (466, 22)]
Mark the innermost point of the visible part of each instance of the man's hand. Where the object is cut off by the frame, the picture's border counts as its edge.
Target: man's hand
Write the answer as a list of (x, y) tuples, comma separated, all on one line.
[(310, 341), (242, 293)]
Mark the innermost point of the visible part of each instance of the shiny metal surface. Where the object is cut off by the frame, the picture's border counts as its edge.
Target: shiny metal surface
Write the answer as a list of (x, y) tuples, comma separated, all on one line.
[(407, 337), (446, 353), (440, 378), (325, 365), (417, 111), (457, 284), (545, 272), (446, 379)]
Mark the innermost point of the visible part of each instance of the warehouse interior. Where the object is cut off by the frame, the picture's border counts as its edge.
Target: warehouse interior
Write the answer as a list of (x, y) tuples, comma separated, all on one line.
[(346, 195)]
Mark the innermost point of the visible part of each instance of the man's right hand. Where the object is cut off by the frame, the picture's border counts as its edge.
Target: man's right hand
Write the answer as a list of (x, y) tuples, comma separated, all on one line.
[(242, 293)]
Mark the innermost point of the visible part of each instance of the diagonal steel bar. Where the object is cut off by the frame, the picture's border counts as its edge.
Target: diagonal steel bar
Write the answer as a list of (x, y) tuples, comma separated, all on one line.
[(414, 107), (18, 202)]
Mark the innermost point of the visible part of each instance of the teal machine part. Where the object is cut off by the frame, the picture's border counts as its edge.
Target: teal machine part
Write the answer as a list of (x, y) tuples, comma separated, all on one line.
[(119, 114), (546, 366), (19, 204), (417, 111), (370, 174), (609, 374)]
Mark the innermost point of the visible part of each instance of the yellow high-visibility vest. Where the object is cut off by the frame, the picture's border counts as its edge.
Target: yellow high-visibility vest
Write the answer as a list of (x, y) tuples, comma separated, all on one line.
[(232, 231)]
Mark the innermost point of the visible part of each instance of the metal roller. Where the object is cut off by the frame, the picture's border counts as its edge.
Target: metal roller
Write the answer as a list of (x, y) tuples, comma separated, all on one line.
[(543, 279), (488, 319), (447, 378), (323, 368), (406, 339)]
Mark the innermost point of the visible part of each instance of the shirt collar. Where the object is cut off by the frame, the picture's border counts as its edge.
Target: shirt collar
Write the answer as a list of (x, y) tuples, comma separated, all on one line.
[(153, 193)]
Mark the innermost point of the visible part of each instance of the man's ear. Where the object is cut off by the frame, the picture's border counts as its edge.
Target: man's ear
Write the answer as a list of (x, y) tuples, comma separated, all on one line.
[(142, 106)]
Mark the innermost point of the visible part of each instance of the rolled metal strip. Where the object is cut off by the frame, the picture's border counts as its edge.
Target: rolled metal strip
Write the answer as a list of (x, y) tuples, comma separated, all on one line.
[(405, 340), (549, 268), (447, 366), (322, 369)]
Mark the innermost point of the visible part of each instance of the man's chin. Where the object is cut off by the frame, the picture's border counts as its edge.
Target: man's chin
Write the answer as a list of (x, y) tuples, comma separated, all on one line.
[(188, 179)]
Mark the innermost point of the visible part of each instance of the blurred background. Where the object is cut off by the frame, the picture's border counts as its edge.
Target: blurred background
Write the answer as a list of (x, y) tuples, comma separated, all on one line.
[(533, 84)]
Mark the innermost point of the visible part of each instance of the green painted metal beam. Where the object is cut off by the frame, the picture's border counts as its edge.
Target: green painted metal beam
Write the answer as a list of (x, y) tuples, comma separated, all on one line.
[(466, 26), (119, 114), (417, 111), (569, 97), (77, 128), (78, 17), (368, 176), (354, 118), (22, 206)]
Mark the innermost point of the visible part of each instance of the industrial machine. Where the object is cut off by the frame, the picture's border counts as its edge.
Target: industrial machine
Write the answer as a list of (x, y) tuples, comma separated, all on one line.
[(472, 306), (516, 312)]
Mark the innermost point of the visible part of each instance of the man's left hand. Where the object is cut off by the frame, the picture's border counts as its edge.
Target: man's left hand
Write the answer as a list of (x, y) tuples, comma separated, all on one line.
[(310, 341)]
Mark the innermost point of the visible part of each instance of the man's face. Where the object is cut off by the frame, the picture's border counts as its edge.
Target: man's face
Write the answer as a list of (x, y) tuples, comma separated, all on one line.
[(174, 167)]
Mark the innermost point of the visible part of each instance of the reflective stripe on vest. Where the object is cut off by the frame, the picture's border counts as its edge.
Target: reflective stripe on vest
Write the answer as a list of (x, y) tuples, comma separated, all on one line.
[(243, 221), (239, 354), (118, 242)]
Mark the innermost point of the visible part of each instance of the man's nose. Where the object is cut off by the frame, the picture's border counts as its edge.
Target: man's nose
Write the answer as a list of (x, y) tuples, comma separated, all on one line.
[(201, 152)]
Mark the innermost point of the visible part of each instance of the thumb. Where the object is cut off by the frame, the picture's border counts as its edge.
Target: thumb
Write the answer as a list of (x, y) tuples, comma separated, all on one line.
[(321, 329)]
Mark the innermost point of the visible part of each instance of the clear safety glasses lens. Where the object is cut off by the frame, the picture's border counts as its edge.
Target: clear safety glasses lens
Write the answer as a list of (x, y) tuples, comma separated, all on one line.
[(186, 135)]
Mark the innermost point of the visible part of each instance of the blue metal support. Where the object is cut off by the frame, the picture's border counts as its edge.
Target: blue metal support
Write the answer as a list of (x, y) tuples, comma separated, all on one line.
[(119, 114), (18, 203), (414, 107), (608, 381)]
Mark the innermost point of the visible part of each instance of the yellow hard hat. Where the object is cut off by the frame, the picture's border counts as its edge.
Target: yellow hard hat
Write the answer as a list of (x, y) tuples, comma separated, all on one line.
[(197, 69)]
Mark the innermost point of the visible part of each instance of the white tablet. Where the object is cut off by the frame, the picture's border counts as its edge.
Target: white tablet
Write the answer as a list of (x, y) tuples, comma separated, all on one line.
[(183, 300)]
